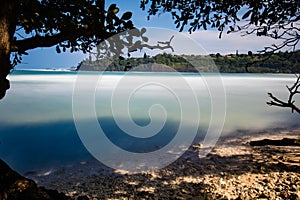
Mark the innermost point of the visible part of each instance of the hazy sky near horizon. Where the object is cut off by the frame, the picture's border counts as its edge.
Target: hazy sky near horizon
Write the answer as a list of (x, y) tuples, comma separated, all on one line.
[(209, 40)]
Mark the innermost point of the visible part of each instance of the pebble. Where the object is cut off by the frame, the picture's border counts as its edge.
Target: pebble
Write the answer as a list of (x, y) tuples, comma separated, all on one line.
[(218, 176)]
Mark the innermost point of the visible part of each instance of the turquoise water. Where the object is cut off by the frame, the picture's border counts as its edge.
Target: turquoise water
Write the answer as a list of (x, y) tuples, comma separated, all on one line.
[(37, 127)]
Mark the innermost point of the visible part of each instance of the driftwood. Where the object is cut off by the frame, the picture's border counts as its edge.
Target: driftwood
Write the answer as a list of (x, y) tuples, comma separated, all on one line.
[(282, 142)]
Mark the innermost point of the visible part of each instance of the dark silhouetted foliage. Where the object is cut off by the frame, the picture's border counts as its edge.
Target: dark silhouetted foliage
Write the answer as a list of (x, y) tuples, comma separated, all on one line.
[(67, 24), (272, 18)]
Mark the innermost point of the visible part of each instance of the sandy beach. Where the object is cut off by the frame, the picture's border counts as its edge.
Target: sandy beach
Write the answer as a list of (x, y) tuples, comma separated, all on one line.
[(233, 170)]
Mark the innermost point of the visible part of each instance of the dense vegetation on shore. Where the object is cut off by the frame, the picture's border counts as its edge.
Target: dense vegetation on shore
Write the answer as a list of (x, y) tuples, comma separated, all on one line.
[(282, 62)]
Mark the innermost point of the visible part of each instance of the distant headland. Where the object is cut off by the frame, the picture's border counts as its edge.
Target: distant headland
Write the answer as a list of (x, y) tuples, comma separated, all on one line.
[(281, 62)]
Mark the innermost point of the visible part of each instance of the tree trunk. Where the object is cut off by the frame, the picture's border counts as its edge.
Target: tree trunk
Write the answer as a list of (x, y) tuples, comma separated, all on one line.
[(8, 20)]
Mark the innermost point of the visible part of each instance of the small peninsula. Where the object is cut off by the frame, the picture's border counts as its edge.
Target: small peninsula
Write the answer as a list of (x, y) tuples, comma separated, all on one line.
[(281, 62)]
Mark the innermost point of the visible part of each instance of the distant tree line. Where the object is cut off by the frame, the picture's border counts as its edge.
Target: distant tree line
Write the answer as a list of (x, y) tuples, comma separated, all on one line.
[(281, 62)]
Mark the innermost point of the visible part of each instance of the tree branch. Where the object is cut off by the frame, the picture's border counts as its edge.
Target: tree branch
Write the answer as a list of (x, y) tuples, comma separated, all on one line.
[(48, 41), (293, 90)]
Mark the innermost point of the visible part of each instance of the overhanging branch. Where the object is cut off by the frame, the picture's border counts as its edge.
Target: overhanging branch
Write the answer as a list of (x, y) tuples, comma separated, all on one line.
[(48, 41), (293, 90)]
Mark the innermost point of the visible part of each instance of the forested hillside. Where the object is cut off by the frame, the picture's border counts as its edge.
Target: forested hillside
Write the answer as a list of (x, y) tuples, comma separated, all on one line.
[(282, 62)]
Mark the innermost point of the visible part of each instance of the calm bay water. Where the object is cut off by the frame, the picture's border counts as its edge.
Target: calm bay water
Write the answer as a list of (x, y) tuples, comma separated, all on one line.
[(36, 119)]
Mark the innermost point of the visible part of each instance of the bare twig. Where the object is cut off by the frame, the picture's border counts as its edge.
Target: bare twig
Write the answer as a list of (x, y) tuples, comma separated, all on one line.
[(287, 33), (293, 90)]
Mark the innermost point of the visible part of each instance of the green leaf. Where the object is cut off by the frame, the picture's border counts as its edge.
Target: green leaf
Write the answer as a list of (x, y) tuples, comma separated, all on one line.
[(128, 25), (137, 44), (145, 39), (220, 34), (116, 10), (113, 8), (58, 49), (143, 30), (181, 29), (247, 14), (126, 16), (135, 32)]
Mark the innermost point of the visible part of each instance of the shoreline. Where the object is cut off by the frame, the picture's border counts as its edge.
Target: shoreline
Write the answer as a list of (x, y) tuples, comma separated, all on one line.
[(232, 170), (62, 70)]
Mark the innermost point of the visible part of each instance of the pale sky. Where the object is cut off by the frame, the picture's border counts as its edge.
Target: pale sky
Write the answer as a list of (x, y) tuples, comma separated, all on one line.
[(209, 40)]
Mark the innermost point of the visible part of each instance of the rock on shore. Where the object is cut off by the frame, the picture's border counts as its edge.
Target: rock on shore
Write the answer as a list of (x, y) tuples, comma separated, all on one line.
[(13, 186), (233, 170)]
